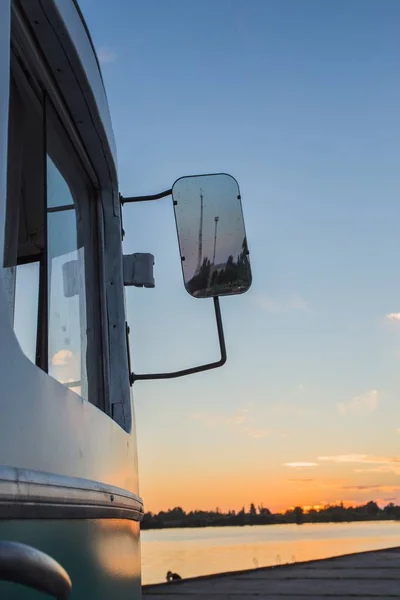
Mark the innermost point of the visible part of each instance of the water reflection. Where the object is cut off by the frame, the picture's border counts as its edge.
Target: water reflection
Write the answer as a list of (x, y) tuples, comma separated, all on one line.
[(193, 552)]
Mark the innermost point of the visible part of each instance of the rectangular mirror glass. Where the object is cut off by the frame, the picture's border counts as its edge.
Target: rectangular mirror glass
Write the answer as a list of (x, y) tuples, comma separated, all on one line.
[(211, 234)]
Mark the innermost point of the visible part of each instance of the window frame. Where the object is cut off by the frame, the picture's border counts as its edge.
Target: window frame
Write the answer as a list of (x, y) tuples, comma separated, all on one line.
[(35, 84)]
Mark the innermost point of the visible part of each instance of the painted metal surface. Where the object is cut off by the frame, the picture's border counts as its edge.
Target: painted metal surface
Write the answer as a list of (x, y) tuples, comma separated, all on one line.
[(76, 28), (68, 484), (102, 557), (57, 431), (60, 33), (46, 427), (75, 74)]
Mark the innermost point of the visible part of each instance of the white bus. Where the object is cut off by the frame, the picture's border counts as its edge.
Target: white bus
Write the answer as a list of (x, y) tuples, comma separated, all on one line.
[(69, 506)]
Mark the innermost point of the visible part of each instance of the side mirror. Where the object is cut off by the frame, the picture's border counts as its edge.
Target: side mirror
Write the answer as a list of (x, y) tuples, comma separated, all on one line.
[(213, 247), (211, 235)]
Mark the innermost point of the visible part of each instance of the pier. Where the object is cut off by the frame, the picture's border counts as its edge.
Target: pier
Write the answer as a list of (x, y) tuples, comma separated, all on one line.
[(367, 575)]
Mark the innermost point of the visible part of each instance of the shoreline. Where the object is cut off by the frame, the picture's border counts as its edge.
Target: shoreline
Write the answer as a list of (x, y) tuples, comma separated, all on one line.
[(286, 566), (369, 575), (222, 525)]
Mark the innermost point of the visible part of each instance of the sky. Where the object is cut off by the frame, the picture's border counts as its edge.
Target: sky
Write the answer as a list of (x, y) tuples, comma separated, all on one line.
[(299, 101)]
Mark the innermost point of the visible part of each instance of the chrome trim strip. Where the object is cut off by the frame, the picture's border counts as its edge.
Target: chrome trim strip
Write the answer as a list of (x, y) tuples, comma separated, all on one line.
[(18, 511), (24, 492)]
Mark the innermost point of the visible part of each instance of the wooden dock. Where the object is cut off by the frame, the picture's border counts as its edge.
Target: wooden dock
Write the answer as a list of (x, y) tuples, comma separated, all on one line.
[(368, 575)]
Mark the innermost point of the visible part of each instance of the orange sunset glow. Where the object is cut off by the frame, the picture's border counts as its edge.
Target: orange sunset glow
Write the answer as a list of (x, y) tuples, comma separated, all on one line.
[(265, 467)]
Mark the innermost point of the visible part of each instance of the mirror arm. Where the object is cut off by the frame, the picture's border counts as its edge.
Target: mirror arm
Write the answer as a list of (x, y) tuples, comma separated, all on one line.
[(145, 198), (191, 371)]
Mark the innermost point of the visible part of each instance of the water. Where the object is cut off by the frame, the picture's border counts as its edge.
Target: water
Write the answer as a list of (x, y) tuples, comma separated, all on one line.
[(192, 552)]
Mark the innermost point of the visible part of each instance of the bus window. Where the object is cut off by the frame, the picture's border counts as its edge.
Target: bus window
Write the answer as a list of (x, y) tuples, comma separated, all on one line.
[(24, 247), (26, 307), (50, 263), (66, 286), (74, 350)]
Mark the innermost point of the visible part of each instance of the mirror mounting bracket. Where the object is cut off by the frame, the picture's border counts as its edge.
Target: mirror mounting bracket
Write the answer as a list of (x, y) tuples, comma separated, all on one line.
[(145, 198), (214, 365)]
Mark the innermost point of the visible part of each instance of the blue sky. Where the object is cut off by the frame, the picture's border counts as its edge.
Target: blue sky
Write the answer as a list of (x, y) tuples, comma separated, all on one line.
[(299, 102)]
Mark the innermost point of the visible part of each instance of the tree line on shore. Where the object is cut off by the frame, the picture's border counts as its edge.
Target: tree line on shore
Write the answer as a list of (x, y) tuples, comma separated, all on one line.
[(337, 513)]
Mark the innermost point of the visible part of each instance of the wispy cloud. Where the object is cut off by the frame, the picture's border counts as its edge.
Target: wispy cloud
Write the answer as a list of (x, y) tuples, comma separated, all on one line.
[(297, 480), (290, 303), (392, 468), (300, 465), (241, 416), (212, 419), (372, 488), (105, 55), (368, 459), (364, 404), (394, 316), (209, 420), (291, 410), (258, 432), (242, 420), (360, 488)]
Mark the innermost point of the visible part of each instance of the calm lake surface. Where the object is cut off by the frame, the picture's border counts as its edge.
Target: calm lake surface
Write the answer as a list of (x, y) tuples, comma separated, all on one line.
[(192, 552)]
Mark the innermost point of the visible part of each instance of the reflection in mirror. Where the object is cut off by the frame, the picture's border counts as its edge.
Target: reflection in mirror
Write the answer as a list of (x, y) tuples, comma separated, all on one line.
[(212, 237)]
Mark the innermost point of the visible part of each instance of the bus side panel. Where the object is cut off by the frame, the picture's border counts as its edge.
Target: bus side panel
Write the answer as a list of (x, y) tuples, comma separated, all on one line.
[(102, 557)]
